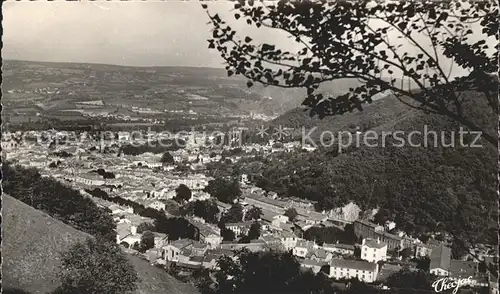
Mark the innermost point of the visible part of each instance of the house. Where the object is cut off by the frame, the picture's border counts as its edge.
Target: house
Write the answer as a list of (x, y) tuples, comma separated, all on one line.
[(223, 207), (389, 225), (210, 261), (312, 264), (440, 261), (240, 228), (254, 246), (160, 240), (338, 248), (279, 219), (288, 240), (89, 179), (319, 254), (126, 234), (198, 248), (172, 251), (303, 247), (365, 229), (271, 241), (462, 269), (346, 269), (373, 250), (208, 234), (158, 205), (422, 250), (9, 145)]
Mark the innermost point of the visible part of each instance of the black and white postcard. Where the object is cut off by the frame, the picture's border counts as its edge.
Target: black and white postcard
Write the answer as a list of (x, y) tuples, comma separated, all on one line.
[(250, 147)]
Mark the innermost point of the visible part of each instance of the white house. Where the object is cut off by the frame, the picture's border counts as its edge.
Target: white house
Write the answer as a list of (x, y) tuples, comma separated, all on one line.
[(288, 240), (303, 247), (172, 251), (240, 228), (158, 205), (279, 219), (346, 269), (127, 234), (343, 249), (314, 265), (440, 261), (373, 250), (422, 250)]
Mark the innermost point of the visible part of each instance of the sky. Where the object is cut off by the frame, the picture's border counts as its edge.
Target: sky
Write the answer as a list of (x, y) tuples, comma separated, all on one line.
[(170, 33), (166, 33)]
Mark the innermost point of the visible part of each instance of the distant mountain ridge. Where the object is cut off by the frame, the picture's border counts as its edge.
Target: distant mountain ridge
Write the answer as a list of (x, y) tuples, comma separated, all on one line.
[(101, 80)]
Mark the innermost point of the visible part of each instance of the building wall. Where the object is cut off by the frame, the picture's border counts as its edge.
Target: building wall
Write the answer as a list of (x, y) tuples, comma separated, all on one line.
[(300, 251), (439, 272), (365, 276), (373, 254)]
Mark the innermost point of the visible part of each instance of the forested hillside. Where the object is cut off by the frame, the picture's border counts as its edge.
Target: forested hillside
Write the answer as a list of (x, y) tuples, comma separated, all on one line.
[(433, 189)]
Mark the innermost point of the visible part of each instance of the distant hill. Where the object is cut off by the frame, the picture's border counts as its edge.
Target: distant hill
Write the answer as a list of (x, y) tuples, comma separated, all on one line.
[(160, 88), (421, 188), (380, 112), (32, 244)]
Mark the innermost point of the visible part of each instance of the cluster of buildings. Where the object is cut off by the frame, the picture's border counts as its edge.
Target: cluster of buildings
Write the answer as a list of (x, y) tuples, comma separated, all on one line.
[(144, 179)]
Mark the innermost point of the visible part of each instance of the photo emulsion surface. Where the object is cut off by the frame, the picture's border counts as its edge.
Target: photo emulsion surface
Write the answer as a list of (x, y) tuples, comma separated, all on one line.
[(250, 147)]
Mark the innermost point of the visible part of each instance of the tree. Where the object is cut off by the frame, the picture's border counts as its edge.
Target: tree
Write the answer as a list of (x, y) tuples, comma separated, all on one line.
[(407, 279), (234, 214), (253, 213), (96, 266), (147, 241), (208, 210), (371, 42), (254, 231), (224, 190), (145, 226), (183, 193), (227, 234), (167, 158), (291, 213), (406, 253), (423, 263), (266, 272)]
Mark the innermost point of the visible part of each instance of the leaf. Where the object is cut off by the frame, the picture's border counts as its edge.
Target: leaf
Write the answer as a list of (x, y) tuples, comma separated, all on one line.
[(248, 39), (204, 6), (249, 84), (230, 73), (237, 15)]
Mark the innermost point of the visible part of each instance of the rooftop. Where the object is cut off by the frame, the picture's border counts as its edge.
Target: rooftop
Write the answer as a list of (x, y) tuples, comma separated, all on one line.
[(311, 262), (353, 264), (440, 258), (181, 243), (373, 243), (338, 245), (459, 268)]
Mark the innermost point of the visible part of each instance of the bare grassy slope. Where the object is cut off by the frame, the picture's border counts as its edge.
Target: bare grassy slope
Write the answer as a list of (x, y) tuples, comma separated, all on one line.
[(32, 244)]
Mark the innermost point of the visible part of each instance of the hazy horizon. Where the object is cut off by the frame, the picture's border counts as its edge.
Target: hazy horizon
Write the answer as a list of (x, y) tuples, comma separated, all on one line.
[(172, 33), (140, 34)]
